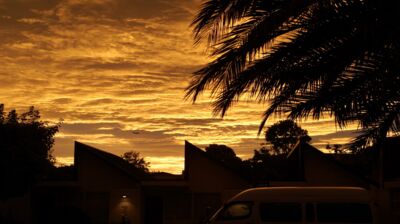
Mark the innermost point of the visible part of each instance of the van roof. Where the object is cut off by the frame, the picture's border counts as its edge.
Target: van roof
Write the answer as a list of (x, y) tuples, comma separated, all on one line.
[(304, 194)]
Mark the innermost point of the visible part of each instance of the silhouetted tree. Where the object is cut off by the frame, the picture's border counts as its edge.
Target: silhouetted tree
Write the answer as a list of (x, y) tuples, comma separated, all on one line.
[(12, 117), (135, 160), (221, 152), (307, 58), (284, 135), (25, 150), (1, 113), (343, 149), (336, 148), (224, 154), (264, 166)]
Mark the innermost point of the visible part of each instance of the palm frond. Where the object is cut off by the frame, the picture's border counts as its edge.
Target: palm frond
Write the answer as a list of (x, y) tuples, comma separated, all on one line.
[(305, 58)]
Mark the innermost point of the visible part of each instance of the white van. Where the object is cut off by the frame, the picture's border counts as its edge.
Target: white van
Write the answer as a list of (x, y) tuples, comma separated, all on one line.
[(293, 205)]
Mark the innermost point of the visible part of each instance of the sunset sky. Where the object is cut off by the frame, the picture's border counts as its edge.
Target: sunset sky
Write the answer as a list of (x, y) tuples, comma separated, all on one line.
[(115, 72)]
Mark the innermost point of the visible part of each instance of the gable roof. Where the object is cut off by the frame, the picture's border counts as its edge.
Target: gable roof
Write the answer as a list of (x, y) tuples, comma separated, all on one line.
[(192, 149), (297, 156), (111, 159)]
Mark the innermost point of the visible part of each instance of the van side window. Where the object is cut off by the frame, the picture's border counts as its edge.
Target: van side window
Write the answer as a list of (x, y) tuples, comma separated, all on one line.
[(281, 212), (235, 211), (310, 216), (344, 213)]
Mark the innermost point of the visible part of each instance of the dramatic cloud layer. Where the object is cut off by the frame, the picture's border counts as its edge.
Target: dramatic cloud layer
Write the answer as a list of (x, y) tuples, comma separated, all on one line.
[(115, 72)]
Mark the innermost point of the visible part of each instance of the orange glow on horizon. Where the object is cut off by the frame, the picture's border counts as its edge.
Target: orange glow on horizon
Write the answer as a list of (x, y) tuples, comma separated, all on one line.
[(116, 74)]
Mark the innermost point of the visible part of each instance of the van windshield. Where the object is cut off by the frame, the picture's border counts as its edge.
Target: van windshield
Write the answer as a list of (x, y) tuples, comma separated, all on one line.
[(235, 211)]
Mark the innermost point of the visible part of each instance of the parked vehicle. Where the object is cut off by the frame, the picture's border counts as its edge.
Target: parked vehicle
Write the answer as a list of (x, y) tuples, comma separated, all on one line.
[(293, 205)]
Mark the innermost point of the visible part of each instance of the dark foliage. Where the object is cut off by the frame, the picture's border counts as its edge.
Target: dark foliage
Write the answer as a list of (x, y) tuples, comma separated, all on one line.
[(136, 161), (306, 58), (284, 135), (25, 150), (262, 167), (266, 167), (226, 155), (222, 153), (336, 149)]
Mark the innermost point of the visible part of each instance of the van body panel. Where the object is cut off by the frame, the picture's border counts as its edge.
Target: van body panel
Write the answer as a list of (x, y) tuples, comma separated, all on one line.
[(295, 205), (304, 194)]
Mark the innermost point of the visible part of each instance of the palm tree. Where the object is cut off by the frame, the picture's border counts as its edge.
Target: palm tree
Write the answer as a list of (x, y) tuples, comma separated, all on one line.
[(307, 58)]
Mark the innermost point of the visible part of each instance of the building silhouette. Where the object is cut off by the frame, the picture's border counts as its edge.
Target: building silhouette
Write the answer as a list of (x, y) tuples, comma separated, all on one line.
[(106, 189), (103, 188)]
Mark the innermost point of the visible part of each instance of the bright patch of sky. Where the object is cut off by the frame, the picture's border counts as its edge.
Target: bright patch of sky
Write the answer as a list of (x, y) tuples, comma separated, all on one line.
[(115, 72)]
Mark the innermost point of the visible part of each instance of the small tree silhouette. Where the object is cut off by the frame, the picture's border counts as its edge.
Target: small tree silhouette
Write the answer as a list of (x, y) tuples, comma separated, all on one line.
[(284, 135), (135, 160)]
